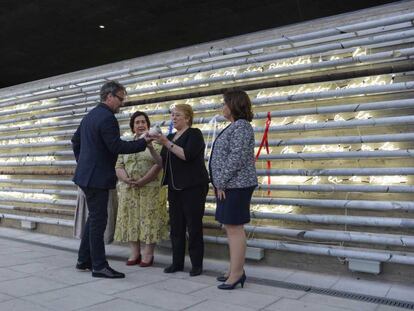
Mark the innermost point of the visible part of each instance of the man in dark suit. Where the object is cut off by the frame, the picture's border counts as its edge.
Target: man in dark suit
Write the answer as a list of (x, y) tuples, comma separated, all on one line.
[(96, 145)]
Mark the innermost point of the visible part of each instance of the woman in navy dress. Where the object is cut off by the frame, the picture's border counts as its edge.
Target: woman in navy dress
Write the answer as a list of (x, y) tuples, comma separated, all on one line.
[(233, 174)]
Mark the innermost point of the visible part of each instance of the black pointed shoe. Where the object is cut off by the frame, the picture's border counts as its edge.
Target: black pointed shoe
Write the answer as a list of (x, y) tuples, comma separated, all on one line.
[(240, 281), (83, 266), (196, 271), (108, 273), (173, 268)]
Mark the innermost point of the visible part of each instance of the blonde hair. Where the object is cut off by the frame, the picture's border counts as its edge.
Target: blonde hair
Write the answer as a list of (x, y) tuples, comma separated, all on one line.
[(187, 110)]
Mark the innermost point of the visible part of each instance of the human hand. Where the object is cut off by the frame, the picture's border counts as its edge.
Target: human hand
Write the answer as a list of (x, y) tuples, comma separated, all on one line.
[(128, 180), (220, 194), (148, 138), (155, 130), (137, 183), (160, 138)]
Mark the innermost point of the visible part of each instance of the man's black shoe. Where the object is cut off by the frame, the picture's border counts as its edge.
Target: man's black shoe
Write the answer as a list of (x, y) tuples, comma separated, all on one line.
[(108, 273), (83, 266), (173, 268), (196, 271)]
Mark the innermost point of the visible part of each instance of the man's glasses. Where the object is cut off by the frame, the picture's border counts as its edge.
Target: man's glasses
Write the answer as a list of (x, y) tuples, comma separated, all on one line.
[(121, 99)]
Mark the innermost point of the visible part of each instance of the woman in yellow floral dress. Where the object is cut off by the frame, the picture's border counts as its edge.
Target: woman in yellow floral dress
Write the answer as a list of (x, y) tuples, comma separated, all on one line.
[(142, 212)]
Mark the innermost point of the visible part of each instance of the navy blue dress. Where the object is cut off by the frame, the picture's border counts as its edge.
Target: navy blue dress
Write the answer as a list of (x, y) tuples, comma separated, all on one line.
[(235, 209)]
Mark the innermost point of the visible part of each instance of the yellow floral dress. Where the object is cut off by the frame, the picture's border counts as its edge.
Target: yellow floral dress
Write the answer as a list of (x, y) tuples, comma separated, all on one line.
[(142, 212)]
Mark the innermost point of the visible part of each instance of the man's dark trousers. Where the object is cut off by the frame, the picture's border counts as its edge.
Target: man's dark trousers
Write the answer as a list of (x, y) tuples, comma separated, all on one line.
[(92, 248)]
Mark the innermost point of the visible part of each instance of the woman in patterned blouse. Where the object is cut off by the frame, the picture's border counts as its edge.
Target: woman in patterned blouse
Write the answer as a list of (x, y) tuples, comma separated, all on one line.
[(233, 175)]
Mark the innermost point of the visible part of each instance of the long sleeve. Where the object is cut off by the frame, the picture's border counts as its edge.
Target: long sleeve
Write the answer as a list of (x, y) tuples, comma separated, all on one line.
[(76, 143), (194, 145), (111, 137), (238, 154), (232, 162)]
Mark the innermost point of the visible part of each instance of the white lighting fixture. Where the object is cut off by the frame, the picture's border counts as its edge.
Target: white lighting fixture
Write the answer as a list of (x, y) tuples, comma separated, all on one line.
[(101, 26)]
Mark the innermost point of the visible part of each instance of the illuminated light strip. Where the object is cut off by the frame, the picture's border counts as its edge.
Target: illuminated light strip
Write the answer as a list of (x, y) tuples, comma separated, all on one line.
[(42, 220), (335, 219), (272, 172), (326, 94), (340, 188), (372, 171), (40, 97), (39, 134), (40, 201), (391, 104), (343, 139), (65, 113), (33, 106), (330, 204), (332, 251), (285, 156), (37, 182), (40, 163), (62, 143), (326, 203), (383, 138), (330, 235), (338, 124), (41, 191), (39, 209), (338, 155), (317, 188)]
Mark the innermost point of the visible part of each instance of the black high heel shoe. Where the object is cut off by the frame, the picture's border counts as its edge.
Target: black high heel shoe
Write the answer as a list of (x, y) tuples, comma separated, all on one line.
[(233, 286), (223, 278)]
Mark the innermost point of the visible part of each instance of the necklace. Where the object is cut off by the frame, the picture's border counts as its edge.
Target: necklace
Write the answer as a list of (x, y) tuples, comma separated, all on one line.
[(179, 133)]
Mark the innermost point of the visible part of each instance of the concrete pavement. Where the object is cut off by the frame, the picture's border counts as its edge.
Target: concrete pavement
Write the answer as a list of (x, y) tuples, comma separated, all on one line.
[(37, 273)]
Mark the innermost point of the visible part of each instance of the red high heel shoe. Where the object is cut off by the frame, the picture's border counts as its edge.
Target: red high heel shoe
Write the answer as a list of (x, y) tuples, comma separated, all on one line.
[(134, 261), (144, 264)]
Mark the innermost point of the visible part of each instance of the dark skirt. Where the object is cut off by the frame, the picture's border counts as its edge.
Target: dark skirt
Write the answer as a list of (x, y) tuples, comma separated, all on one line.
[(235, 209)]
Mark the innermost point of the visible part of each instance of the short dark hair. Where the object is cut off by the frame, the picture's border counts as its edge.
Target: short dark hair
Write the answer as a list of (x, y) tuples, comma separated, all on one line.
[(137, 114), (239, 104), (111, 87)]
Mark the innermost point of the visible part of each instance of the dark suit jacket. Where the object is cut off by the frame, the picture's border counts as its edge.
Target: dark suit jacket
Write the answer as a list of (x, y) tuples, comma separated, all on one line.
[(191, 172), (96, 145)]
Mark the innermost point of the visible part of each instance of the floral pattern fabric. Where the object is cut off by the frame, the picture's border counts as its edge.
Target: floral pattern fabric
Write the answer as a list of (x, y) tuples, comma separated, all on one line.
[(142, 212)]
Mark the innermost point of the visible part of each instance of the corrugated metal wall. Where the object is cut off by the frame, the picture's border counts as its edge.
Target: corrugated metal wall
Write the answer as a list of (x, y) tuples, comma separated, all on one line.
[(337, 178)]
